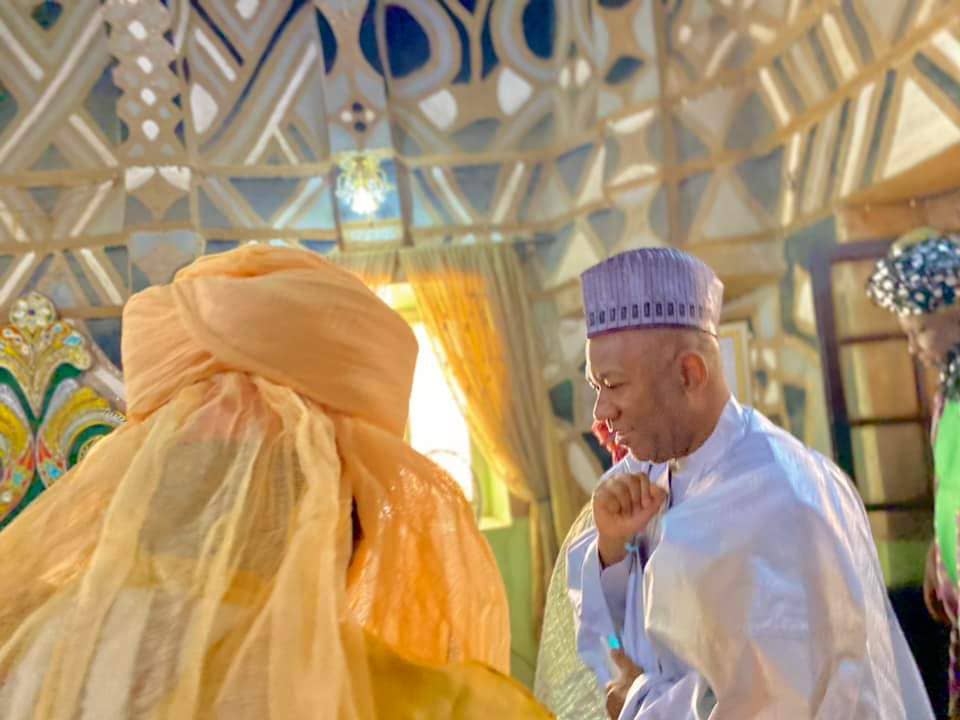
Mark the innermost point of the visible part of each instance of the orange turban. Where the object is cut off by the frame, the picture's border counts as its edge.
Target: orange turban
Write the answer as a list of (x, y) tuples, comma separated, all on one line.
[(200, 563)]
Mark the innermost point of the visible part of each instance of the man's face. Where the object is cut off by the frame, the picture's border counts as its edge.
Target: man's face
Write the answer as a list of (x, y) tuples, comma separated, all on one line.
[(639, 393), (931, 336)]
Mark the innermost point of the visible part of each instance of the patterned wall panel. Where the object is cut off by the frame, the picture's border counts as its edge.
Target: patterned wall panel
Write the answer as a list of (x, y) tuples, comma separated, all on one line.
[(136, 135), (59, 395)]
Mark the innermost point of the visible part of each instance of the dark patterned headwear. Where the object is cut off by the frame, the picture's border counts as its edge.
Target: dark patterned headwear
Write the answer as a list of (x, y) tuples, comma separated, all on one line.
[(920, 274)]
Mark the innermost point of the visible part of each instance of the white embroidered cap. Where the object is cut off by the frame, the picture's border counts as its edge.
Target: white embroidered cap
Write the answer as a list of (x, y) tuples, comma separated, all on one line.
[(651, 287)]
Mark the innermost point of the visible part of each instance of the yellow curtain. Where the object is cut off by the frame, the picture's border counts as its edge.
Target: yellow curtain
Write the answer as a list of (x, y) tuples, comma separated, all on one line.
[(475, 304)]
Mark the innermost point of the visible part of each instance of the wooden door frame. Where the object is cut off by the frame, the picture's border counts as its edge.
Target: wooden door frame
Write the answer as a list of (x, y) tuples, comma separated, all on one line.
[(822, 260)]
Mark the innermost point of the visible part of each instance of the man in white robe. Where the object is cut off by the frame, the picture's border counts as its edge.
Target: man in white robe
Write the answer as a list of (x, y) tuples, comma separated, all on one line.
[(732, 573)]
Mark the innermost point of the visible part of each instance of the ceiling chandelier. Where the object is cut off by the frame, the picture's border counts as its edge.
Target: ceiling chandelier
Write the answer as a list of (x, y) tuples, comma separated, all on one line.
[(362, 185)]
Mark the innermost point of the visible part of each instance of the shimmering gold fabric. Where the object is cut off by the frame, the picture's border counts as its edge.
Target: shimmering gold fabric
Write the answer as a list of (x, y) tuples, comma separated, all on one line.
[(563, 683)]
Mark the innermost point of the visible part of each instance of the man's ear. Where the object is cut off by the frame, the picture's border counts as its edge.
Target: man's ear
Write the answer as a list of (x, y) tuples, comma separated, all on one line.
[(694, 372)]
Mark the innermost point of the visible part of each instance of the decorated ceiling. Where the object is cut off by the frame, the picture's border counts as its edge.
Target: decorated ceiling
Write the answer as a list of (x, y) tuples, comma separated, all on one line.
[(136, 135)]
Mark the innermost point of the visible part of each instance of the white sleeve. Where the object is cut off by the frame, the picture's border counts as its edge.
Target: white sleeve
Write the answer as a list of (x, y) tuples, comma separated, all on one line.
[(688, 698), (614, 580), (588, 590)]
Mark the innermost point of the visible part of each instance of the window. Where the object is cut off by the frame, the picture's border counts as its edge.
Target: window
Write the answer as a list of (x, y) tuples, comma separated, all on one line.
[(436, 426)]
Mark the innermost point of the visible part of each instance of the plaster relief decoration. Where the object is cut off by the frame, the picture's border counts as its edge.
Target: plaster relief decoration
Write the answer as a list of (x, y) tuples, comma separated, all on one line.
[(52, 404)]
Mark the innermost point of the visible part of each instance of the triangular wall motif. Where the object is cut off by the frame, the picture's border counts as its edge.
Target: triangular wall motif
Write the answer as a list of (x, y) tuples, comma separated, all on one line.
[(476, 136), (752, 120), (312, 209), (550, 253), (711, 110), (528, 191), (90, 294), (689, 145), (608, 225), (108, 219), (762, 176), (245, 35), (273, 155), (155, 257), (551, 197), (730, 213), (307, 148), (581, 254), (179, 211), (266, 196), (566, 257), (136, 213), (921, 130), (101, 106), (593, 185), (690, 192), (51, 159), (426, 211), (119, 258), (54, 279), (46, 198), (570, 166), (477, 184), (210, 214)]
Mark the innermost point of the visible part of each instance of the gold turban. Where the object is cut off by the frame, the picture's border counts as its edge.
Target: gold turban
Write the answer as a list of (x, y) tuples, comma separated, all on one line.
[(202, 561)]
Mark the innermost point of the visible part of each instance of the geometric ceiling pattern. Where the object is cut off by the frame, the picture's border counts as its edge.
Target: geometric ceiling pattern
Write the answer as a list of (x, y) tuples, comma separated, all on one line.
[(780, 111), (767, 114), (135, 135)]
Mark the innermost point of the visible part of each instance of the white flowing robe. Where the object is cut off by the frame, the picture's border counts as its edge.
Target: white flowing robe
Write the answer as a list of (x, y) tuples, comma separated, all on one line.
[(756, 593)]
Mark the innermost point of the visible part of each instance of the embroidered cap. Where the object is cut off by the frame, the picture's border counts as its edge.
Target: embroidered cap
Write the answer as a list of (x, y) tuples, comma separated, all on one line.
[(651, 287), (920, 274)]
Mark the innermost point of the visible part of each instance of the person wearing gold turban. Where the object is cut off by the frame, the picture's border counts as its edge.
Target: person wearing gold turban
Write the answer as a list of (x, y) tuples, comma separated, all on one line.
[(257, 541)]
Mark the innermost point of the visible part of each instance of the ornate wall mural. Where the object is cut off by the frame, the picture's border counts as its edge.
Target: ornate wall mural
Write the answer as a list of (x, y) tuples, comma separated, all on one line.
[(136, 135), (50, 415)]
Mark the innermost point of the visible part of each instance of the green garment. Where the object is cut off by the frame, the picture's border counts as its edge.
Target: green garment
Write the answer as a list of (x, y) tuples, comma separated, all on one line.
[(946, 456)]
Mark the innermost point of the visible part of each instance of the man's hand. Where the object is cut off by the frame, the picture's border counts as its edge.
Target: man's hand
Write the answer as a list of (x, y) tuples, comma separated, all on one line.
[(930, 595), (622, 507), (618, 689)]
